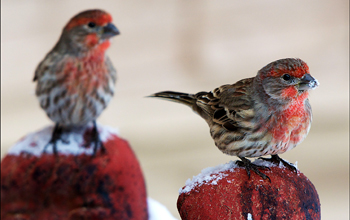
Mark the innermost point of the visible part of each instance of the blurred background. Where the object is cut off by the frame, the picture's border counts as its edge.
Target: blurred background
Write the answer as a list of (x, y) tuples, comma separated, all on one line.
[(191, 46)]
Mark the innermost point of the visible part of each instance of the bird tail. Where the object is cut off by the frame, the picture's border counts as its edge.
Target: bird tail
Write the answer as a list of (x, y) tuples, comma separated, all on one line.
[(183, 98)]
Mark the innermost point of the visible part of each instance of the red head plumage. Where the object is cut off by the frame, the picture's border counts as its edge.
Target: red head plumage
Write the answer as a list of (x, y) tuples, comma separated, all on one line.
[(294, 67), (99, 17)]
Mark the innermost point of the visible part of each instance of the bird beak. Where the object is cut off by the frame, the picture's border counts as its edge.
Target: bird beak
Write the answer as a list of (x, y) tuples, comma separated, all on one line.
[(307, 82), (109, 31)]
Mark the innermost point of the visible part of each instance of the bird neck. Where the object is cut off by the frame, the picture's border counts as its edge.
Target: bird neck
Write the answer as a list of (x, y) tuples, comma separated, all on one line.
[(278, 104), (96, 54), (81, 47), (296, 106)]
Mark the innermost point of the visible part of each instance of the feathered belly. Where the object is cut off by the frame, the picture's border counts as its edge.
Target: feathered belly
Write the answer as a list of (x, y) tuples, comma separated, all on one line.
[(268, 140), (241, 144), (76, 108), (75, 90)]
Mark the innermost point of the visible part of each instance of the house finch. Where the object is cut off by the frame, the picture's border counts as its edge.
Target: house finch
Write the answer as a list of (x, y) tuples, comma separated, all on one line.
[(268, 114), (76, 78)]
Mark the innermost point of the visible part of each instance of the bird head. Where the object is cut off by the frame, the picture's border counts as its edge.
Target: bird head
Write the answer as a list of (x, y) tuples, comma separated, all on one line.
[(287, 79), (89, 29)]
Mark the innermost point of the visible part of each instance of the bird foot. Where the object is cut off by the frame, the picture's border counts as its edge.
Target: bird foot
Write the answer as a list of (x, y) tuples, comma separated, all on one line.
[(277, 160), (248, 165), (98, 144), (97, 140), (56, 136)]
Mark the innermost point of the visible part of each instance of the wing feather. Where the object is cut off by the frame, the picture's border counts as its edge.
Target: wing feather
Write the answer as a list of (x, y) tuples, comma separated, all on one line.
[(229, 105)]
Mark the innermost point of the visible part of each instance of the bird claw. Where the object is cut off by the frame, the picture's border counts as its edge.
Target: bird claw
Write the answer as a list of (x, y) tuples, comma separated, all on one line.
[(65, 141), (97, 140), (277, 160), (248, 165), (98, 143), (56, 136), (54, 147)]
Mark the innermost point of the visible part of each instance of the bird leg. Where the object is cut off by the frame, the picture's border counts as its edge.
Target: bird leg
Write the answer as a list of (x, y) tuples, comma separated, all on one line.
[(248, 165), (96, 139), (276, 160), (56, 135)]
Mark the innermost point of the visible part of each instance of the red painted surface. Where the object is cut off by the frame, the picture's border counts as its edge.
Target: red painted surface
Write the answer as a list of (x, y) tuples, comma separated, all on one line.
[(108, 186), (288, 196)]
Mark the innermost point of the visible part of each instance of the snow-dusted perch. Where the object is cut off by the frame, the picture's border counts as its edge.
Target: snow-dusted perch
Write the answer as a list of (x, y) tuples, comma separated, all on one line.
[(225, 192), (36, 184), (73, 141)]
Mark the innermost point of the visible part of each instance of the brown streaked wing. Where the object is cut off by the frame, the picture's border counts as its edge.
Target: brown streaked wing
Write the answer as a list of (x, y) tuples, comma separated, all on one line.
[(46, 64), (228, 105)]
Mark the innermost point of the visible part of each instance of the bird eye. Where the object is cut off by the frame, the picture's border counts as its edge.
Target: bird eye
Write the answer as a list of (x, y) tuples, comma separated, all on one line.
[(91, 24), (286, 77)]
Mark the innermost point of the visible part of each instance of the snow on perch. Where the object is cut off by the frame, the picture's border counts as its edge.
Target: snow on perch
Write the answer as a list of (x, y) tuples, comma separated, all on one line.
[(212, 175), (73, 141), (226, 192), (37, 185)]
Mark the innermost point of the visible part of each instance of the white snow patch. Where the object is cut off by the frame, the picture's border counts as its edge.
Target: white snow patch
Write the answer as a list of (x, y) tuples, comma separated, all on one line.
[(269, 164), (265, 163), (249, 216), (71, 144), (157, 211), (296, 164), (210, 174)]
